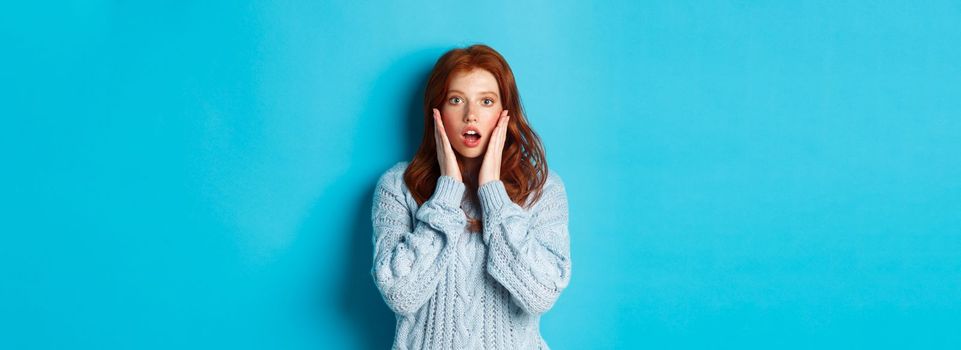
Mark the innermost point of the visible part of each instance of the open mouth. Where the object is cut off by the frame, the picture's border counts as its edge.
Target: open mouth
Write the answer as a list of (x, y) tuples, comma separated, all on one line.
[(472, 136)]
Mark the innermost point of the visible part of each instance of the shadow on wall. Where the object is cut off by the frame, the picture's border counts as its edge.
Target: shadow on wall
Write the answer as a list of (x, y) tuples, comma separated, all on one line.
[(397, 92)]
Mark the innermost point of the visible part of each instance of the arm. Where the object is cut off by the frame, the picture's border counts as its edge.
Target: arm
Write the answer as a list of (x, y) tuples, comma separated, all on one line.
[(528, 253), (409, 258)]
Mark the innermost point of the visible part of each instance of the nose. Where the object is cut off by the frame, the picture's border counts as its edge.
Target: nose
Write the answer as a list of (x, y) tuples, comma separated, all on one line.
[(469, 115)]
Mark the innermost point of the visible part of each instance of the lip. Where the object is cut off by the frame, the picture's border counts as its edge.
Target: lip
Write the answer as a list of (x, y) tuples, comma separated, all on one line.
[(470, 143)]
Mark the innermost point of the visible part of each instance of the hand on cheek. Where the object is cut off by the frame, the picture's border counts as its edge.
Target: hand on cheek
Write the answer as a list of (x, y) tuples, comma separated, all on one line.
[(445, 153), (491, 168)]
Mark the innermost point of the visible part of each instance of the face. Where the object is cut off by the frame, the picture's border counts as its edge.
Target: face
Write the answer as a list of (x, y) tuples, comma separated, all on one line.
[(472, 102)]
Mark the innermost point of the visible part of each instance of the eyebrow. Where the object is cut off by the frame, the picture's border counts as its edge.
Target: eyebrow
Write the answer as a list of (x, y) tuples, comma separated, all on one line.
[(482, 92)]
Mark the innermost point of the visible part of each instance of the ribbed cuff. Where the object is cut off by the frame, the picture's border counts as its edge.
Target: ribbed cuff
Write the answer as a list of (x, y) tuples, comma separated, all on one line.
[(449, 191), (493, 195)]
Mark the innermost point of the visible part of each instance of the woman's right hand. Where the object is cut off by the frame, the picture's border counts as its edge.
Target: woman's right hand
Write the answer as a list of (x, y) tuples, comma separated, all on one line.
[(445, 154)]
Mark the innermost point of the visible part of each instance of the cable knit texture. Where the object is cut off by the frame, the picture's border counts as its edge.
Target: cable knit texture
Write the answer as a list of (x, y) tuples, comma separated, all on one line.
[(454, 289)]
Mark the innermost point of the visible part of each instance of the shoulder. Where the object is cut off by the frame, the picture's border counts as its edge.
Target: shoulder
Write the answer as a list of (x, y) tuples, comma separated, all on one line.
[(553, 191), (554, 179), (393, 178), (396, 170), (554, 183)]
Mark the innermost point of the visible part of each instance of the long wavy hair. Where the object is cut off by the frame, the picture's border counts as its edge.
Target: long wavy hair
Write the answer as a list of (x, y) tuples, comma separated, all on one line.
[(523, 165)]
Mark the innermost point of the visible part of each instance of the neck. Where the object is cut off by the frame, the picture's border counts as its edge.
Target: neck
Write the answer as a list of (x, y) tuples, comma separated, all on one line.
[(469, 170)]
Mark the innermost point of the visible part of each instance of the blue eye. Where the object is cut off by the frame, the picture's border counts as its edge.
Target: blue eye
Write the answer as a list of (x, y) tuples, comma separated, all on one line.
[(488, 101), (455, 100)]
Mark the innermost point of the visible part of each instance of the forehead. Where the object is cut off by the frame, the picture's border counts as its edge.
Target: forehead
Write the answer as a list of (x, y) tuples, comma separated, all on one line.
[(473, 81)]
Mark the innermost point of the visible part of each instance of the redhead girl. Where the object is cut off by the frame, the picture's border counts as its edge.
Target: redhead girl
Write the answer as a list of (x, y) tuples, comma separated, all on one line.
[(471, 241)]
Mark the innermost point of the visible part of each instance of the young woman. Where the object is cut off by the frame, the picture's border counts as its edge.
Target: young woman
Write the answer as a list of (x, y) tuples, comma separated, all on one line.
[(471, 243)]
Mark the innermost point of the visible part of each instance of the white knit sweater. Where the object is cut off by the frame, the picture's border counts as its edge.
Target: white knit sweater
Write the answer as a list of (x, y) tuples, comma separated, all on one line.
[(454, 289)]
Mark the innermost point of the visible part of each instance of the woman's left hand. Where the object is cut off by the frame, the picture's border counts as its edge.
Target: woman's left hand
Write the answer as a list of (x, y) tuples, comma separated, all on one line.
[(491, 168)]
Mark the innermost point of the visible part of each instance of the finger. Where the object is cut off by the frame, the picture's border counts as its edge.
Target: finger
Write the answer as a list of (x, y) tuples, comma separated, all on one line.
[(500, 126), (443, 149), (438, 121), (503, 132), (439, 124), (437, 139), (495, 142), (443, 132), (507, 123)]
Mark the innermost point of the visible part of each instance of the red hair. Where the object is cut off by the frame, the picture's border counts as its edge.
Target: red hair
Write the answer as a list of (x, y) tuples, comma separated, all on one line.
[(523, 165)]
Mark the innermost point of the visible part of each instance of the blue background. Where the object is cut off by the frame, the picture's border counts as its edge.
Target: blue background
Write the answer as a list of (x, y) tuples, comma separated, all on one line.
[(741, 174)]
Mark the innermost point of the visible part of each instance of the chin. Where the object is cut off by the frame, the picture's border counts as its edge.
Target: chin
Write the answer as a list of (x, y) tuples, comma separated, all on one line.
[(470, 155)]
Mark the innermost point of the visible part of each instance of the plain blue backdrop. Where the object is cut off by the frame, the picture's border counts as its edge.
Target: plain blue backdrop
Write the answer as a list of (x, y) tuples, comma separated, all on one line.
[(741, 174)]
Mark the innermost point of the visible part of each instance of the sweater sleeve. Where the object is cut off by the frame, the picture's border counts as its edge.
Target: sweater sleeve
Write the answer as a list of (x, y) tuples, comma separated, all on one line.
[(529, 253), (410, 257)]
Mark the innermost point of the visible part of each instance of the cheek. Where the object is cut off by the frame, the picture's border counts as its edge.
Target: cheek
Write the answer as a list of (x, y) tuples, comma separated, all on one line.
[(490, 129), (448, 109), (492, 120), (447, 116), (450, 126), (450, 118)]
